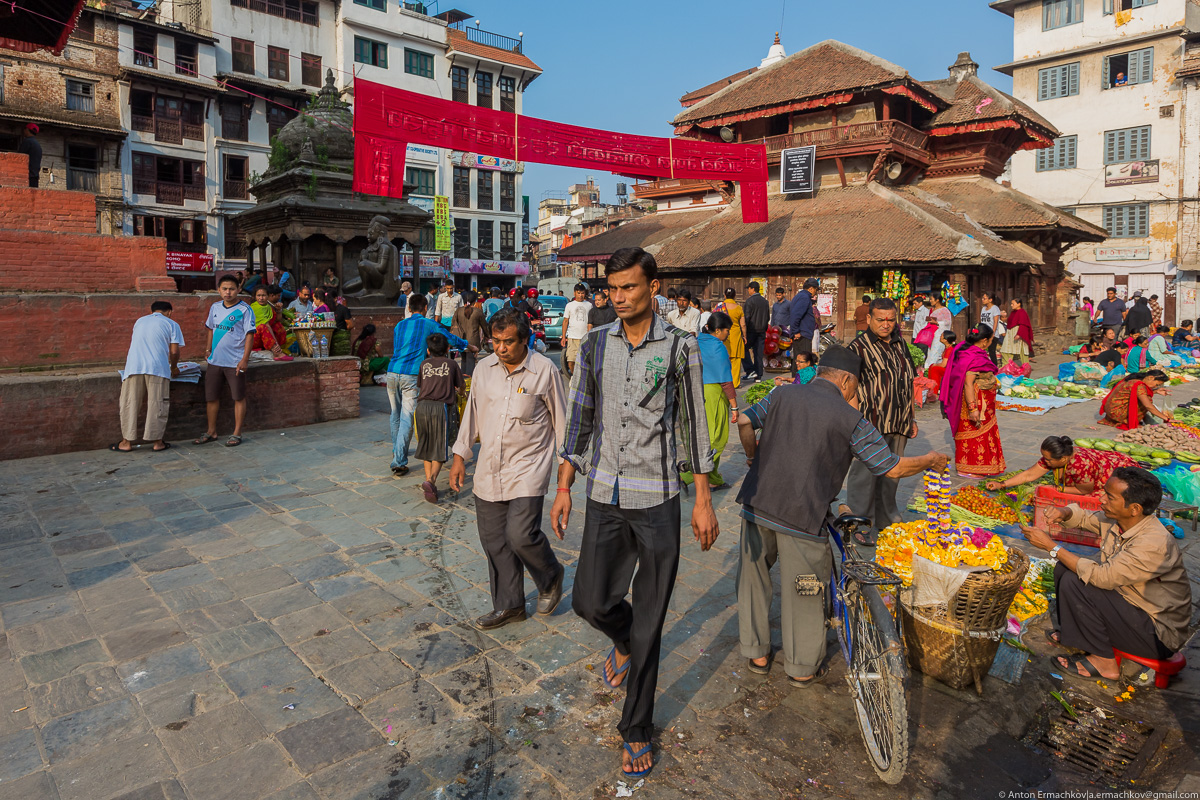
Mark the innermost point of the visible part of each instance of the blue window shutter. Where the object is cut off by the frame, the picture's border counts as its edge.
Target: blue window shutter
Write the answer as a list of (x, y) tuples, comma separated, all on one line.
[(1108, 6), (1105, 83), (1073, 78), (1044, 84), (1145, 63), (1072, 144), (1139, 149)]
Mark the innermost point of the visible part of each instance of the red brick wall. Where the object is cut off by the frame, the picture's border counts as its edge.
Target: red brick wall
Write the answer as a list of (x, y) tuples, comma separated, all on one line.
[(58, 330), (38, 210), (14, 170), (49, 414)]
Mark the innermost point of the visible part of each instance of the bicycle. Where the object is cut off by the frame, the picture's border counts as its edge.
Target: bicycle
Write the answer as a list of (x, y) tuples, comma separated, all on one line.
[(876, 664)]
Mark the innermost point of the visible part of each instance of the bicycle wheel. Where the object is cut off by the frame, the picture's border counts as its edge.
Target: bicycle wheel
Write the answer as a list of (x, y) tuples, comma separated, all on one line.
[(877, 682)]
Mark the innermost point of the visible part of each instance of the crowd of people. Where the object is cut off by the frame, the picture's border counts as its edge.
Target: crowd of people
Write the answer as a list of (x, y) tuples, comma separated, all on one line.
[(643, 406)]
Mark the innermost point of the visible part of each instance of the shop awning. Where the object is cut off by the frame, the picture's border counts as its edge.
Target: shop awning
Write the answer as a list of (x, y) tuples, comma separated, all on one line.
[(44, 25)]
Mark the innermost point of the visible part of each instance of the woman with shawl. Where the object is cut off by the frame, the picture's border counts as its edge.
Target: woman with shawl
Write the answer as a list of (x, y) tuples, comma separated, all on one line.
[(1131, 402), (720, 401), (1018, 342), (968, 396)]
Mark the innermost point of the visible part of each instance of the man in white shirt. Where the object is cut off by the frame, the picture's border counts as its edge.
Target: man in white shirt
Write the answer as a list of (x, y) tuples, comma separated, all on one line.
[(685, 316), (153, 359), (575, 326), (303, 304), (447, 303)]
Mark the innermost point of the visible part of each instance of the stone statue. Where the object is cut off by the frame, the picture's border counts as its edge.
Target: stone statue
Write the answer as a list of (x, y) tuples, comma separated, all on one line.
[(378, 266)]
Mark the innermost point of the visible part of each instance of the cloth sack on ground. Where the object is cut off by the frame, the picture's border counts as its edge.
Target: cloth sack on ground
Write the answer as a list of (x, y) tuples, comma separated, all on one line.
[(934, 584)]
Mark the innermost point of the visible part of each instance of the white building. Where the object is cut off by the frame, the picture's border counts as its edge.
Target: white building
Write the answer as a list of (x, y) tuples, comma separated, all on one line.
[(1105, 73)]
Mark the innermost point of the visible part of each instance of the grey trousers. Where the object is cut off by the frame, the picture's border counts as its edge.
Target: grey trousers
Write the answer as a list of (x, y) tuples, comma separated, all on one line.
[(872, 497), (511, 535), (803, 619)]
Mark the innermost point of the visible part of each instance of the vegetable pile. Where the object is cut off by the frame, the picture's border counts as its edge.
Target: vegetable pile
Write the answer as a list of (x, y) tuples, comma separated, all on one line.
[(758, 391), (981, 504), (1152, 443)]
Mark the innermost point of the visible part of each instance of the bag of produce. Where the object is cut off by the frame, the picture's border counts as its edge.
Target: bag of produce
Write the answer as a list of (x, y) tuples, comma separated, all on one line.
[(1066, 372)]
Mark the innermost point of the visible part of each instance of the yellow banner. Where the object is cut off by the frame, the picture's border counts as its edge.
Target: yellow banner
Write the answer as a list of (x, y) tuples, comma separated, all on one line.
[(443, 234)]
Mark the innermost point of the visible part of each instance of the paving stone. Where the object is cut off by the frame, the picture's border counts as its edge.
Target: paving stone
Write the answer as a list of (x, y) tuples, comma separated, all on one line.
[(328, 739), (477, 683), (78, 544), (32, 612), (367, 677), (282, 601), (334, 648), (144, 608), (166, 560), (274, 668), (237, 643), (334, 588), (75, 692), (239, 564), (20, 755), (459, 747), (206, 737), (308, 623), (281, 707), (435, 652), (259, 581), (362, 606), (211, 619), (199, 595), (414, 707), (180, 577), (74, 735), (384, 772), (53, 664), (163, 790), (39, 785), (85, 578), (49, 635), (316, 568), (302, 550), (140, 640), (161, 667), (552, 652), (297, 791), (114, 592), (184, 698), (246, 774), (113, 768)]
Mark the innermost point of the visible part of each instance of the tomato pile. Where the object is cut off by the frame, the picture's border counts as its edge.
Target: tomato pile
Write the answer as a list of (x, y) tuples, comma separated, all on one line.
[(977, 502), (1017, 407)]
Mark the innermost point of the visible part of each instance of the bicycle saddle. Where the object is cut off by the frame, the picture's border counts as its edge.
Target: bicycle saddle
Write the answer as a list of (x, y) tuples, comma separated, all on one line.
[(847, 521)]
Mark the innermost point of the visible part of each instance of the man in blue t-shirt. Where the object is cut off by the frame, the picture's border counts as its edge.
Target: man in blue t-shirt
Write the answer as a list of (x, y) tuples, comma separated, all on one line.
[(494, 303), (230, 339), (1111, 310)]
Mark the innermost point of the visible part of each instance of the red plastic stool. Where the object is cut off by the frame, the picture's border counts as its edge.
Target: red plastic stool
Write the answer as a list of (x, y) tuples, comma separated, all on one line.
[(1163, 670)]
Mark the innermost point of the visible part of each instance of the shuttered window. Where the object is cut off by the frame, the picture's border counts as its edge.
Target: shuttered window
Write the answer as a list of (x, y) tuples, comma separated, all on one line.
[(1061, 155), (1060, 81), (1058, 13), (1125, 5), (1127, 144), (1127, 69), (1127, 222)]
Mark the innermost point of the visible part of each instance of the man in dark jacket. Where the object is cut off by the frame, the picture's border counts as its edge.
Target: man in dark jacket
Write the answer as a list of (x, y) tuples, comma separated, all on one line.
[(788, 526), (758, 317), (31, 147), (802, 320)]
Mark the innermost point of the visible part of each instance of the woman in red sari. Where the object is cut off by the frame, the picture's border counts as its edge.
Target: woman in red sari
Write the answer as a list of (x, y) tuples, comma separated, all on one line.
[(1077, 470), (1131, 402), (968, 396)]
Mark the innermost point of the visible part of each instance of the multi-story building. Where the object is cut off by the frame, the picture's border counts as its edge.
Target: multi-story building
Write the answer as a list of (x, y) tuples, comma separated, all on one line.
[(74, 99), (1106, 73), (565, 220)]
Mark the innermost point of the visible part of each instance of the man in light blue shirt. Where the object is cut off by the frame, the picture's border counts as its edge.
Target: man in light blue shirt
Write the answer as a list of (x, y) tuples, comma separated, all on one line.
[(153, 359), (408, 351)]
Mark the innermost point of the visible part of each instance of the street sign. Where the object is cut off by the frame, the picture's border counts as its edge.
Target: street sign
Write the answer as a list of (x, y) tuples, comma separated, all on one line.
[(798, 170)]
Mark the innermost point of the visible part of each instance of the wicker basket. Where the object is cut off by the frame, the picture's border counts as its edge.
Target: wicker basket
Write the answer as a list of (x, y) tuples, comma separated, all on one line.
[(956, 643)]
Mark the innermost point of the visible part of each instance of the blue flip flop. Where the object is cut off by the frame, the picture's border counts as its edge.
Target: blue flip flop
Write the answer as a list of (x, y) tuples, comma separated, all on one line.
[(634, 757), (612, 656)]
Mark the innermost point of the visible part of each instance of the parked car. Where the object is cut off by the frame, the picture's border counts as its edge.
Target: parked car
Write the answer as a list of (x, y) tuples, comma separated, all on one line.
[(553, 307)]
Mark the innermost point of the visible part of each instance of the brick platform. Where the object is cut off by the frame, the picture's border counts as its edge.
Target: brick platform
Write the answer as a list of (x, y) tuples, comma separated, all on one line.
[(66, 413)]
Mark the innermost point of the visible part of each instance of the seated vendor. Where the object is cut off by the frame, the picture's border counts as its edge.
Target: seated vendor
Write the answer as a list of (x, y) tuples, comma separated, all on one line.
[(268, 325), (1159, 351), (936, 371), (1184, 337), (1092, 348), (806, 370), (366, 349), (1136, 598), (1131, 402), (1077, 470), (1112, 358)]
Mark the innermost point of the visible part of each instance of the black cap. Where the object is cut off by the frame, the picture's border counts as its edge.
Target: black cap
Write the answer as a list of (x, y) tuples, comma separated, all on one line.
[(812, 282), (838, 357)]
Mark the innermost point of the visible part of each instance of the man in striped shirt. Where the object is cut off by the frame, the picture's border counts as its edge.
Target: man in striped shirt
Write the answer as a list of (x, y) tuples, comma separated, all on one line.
[(811, 434), (408, 351), (636, 380)]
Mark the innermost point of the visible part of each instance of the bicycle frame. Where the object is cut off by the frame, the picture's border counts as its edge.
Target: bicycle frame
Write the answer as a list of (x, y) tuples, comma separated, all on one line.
[(838, 593)]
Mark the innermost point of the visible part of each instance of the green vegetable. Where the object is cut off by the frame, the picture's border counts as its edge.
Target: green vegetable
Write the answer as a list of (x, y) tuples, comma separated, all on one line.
[(758, 391), (918, 358)]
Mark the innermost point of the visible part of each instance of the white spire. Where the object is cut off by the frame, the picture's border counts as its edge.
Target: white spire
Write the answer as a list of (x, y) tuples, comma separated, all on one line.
[(776, 53)]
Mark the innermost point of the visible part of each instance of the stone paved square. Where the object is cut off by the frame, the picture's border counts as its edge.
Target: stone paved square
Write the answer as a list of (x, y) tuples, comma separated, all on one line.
[(291, 623)]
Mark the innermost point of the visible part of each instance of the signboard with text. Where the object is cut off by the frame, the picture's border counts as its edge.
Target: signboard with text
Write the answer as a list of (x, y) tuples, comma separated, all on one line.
[(1123, 253), (1131, 173), (490, 267), (461, 159), (443, 233), (189, 262), (798, 170)]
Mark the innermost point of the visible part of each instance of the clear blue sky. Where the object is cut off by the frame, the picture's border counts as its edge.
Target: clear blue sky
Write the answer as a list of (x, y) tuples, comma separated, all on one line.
[(623, 65)]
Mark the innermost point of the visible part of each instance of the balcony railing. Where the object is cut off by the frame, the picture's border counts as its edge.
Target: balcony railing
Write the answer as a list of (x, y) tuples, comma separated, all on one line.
[(865, 135), (193, 191), (236, 190), (488, 38), (238, 129), (169, 194), (143, 123), (297, 12), (192, 130)]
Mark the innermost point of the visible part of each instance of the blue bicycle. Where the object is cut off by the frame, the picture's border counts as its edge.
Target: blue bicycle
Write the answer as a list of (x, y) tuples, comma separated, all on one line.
[(876, 666)]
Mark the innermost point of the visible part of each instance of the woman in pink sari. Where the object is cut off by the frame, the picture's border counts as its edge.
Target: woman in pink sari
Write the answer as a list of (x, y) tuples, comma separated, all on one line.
[(968, 396), (1018, 342)]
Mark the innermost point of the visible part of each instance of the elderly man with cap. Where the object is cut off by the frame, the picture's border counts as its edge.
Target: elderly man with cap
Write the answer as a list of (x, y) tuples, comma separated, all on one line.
[(31, 147), (786, 506)]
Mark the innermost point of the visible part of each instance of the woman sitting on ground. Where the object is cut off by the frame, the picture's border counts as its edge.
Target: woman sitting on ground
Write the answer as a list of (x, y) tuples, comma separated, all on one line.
[(268, 328), (366, 349), (1093, 347), (1077, 470), (1131, 402), (1158, 349), (938, 370), (1138, 357)]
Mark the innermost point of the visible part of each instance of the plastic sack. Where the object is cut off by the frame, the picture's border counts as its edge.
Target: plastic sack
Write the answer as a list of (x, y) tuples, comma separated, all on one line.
[(1066, 372), (1088, 371), (1046, 381), (1181, 482), (1112, 377), (1009, 381), (1013, 368)]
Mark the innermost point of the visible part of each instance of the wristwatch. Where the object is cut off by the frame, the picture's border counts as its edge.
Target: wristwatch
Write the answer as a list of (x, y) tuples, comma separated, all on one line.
[(1054, 551)]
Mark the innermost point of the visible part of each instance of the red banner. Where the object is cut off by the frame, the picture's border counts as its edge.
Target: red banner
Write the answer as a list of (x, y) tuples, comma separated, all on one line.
[(387, 119), (178, 261)]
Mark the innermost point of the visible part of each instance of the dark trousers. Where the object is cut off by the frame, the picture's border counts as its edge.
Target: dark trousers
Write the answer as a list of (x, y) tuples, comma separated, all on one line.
[(615, 541), (991, 351), (511, 535), (1099, 621), (875, 497), (754, 360)]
